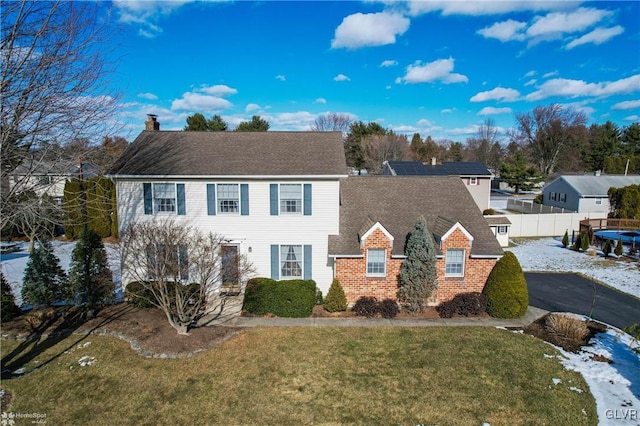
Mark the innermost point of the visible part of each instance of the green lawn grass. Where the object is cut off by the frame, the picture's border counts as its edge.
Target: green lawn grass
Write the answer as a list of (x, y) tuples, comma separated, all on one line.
[(281, 376)]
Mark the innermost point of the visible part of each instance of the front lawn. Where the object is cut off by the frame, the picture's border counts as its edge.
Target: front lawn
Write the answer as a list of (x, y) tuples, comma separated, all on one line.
[(362, 375)]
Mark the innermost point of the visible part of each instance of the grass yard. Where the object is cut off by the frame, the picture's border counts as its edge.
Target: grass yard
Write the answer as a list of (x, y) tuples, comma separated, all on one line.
[(281, 376)]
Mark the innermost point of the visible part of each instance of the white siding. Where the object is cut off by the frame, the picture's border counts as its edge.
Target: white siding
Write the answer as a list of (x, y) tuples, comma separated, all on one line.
[(257, 231), (481, 192)]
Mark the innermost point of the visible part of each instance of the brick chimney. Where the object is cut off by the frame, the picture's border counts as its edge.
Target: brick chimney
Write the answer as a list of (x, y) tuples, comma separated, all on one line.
[(152, 123)]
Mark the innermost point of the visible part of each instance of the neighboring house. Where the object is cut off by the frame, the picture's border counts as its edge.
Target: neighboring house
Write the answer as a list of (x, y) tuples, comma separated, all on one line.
[(378, 212), (273, 196), (48, 177), (584, 194), (500, 226), (476, 177), (285, 200)]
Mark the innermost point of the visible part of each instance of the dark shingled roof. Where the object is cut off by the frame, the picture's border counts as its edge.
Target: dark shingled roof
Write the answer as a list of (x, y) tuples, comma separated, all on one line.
[(447, 168), (397, 201), (165, 153)]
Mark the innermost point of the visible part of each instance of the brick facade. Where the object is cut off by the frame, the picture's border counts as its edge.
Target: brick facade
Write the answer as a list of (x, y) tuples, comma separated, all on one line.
[(352, 272)]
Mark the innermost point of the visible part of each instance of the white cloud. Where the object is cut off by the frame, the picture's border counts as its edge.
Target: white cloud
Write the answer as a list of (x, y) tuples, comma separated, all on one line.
[(320, 101), (146, 13), (531, 82), (371, 29), (562, 87), (555, 24), (251, 107), (627, 105), (499, 94), (597, 36), (218, 90), (447, 110), (530, 73), (494, 111), (550, 74), (505, 31), (632, 118), (389, 63), (147, 95), (439, 70), (341, 77), (477, 8), (204, 99), (424, 123), (281, 77)]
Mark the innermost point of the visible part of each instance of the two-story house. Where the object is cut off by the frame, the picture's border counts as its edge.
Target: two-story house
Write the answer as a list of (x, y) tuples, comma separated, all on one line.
[(285, 200), (475, 176), (270, 195)]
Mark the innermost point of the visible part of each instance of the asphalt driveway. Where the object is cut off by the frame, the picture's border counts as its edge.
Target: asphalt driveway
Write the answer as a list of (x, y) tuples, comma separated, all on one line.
[(573, 293)]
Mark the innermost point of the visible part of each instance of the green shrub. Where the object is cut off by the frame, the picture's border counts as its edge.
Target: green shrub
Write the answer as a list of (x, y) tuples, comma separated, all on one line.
[(506, 289), (319, 298), (488, 212), (538, 199), (565, 239), (366, 307), (8, 309), (606, 248), (618, 250), (286, 298), (336, 300), (577, 243), (138, 295), (584, 242)]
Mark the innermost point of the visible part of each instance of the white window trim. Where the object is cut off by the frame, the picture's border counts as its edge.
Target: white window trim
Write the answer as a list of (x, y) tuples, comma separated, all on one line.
[(175, 198), (473, 181), (500, 229), (281, 199), (218, 199), (377, 274), (282, 260), (449, 274)]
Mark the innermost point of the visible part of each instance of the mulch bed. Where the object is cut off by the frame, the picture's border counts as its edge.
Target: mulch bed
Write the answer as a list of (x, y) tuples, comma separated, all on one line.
[(539, 329), (147, 329)]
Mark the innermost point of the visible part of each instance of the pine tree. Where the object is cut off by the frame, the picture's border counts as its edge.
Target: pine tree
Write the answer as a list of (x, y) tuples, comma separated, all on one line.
[(565, 239), (8, 309), (418, 274), (90, 279), (606, 248), (619, 249), (584, 242), (44, 280), (577, 244)]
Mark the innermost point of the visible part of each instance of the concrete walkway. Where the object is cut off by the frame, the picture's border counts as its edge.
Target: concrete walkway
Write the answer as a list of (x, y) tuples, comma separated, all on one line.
[(238, 321)]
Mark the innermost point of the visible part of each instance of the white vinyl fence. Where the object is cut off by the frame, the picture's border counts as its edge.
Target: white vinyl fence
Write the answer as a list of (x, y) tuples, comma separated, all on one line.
[(529, 207), (547, 224)]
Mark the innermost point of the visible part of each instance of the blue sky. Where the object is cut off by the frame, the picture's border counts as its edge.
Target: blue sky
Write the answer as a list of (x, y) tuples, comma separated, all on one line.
[(440, 68)]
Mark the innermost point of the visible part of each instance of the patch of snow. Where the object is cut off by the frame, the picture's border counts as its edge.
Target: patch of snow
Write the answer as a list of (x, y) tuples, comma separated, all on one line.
[(556, 381), (86, 361), (86, 345), (612, 385), (575, 389), (547, 254)]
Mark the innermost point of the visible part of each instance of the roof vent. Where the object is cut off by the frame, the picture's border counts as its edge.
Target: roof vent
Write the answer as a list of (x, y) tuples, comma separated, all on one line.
[(152, 123)]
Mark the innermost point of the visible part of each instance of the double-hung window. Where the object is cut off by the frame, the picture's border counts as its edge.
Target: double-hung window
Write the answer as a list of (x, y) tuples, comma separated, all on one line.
[(291, 261), (169, 262), (291, 198), (473, 181), (376, 262), (228, 198), (455, 263), (164, 198), (502, 230)]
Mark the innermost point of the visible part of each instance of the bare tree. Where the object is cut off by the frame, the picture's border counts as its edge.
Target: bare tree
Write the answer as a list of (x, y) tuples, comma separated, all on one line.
[(485, 146), (53, 91), (379, 148), (332, 121), (181, 270), (547, 131)]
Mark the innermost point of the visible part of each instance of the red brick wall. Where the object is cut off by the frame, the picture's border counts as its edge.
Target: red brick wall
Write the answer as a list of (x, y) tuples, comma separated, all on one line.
[(352, 272)]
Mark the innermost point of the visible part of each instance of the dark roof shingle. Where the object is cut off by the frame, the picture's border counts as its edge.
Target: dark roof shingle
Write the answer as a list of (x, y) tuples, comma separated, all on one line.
[(397, 201), (166, 153)]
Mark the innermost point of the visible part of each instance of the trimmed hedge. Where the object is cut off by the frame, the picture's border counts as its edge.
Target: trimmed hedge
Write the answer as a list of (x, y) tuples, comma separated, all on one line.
[(286, 298), (506, 289)]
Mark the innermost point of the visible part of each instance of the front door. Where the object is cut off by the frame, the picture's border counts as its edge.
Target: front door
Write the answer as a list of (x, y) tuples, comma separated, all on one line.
[(230, 271)]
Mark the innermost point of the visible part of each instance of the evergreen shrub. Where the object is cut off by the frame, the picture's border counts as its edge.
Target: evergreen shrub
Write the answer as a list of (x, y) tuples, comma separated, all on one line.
[(389, 308), (584, 242), (565, 239), (90, 279), (619, 249), (138, 295), (506, 289), (366, 307), (336, 300), (44, 281), (606, 248), (467, 304), (285, 298)]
